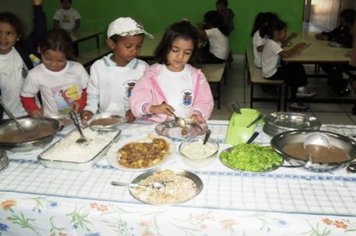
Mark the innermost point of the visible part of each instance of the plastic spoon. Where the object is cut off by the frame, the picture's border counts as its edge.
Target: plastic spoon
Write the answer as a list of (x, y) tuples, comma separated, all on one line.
[(253, 137), (206, 137)]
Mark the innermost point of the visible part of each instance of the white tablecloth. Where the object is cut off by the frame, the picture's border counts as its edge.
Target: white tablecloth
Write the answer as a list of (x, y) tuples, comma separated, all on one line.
[(42, 201)]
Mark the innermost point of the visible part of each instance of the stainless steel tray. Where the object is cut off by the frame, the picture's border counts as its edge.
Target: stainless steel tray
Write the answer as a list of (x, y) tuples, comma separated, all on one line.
[(72, 165), (172, 130)]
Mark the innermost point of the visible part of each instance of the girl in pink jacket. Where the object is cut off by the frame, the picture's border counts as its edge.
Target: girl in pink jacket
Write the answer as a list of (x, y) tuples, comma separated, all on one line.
[(173, 85)]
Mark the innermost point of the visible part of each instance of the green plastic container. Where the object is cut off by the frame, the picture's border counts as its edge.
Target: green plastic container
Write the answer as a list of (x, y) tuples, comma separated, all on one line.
[(237, 132)]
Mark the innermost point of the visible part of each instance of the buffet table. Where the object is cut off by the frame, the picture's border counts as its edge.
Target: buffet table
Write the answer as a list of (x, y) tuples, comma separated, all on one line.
[(35, 200)]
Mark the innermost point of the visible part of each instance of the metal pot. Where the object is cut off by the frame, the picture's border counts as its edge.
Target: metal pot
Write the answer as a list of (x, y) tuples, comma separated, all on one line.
[(38, 133), (348, 145)]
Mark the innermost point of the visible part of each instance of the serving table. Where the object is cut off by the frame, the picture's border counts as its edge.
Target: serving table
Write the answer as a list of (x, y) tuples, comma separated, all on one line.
[(35, 200)]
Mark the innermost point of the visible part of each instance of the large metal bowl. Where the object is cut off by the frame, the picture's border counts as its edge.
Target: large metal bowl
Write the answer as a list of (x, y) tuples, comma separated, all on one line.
[(9, 134), (348, 145), (279, 122)]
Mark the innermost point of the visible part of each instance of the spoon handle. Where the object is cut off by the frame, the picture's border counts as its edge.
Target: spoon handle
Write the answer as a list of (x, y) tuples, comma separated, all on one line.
[(206, 137), (12, 117), (259, 117), (252, 138), (75, 120)]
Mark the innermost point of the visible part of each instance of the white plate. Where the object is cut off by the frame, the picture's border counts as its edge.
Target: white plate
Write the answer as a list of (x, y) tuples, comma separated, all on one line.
[(111, 156)]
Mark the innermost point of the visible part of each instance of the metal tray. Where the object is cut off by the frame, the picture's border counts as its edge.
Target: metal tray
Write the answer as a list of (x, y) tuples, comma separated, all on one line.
[(278, 122), (72, 165), (198, 182), (172, 130), (116, 119)]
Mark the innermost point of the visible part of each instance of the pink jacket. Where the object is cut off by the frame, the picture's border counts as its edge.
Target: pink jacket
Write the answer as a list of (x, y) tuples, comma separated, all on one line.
[(148, 92)]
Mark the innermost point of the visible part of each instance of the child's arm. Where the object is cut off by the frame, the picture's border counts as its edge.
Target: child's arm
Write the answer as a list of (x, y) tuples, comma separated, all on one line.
[(289, 52), (93, 96), (289, 38), (29, 103), (203, 104)]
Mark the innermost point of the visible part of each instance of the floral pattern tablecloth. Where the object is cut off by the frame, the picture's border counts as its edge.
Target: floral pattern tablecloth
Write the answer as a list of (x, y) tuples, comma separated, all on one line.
[(33, 214)]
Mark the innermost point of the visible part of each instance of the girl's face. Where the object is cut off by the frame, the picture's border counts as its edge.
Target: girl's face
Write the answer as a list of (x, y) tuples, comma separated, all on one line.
[(53, 60), (8, 37), (180, 53), (126, 48), (280, 35)]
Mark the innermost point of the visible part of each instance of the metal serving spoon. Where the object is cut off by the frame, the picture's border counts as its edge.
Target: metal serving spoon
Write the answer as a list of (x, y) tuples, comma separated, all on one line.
[(180, 121), (317, 139), (12, 117), (156, 185), (82, 140)]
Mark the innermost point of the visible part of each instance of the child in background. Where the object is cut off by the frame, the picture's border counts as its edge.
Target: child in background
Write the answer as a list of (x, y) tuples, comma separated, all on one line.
[(17, 55), (216, 49), (259, 38), (113, 77), (273, 67), (227, 14), (173, 85), (62, 83), (66, 18)]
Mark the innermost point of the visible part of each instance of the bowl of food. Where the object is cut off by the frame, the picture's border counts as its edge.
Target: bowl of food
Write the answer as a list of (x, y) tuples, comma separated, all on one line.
[(279, 122), (315, 157), (251, 158), (173, 130), (105, 122), (196, 154), (38, 133), (179, 186)]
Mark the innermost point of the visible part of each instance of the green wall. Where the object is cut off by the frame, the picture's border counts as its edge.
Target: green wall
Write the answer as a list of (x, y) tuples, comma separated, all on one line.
[(156, 15)]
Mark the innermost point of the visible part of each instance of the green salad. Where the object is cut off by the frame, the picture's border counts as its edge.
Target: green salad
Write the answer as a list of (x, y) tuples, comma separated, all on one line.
[(251, 157)]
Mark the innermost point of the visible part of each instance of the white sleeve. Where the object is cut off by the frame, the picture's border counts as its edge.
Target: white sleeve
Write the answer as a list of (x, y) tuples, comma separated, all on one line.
[(76, 14), (276, 48), (93, 89), (57, 15), (258, 40), (31, 86), (84, 77)]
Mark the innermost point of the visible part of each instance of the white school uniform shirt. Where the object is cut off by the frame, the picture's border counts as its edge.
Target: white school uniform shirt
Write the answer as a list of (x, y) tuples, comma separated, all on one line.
[(66, 18), (178, 89), (219, 43), (270, 58), (257, 41), (110, 85), (13, 72), (58, 89)]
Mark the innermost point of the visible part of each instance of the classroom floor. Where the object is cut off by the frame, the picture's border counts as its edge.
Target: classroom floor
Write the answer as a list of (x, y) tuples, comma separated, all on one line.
[(237, 89)]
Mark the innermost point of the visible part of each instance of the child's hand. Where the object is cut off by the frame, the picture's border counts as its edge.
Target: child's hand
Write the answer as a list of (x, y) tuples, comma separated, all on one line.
[(86, 115), (197, 118), (301, 45), (36, 114), (163, 108), (76, 107), (129, 117), (320, 36)]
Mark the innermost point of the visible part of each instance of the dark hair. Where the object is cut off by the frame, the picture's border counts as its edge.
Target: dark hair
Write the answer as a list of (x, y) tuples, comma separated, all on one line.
[(348, 15), (115, 38), (184, 30), (13, 20), (271, 28), (68, 0), (57, 40), (263, 18), (222, 2), (215, 19)]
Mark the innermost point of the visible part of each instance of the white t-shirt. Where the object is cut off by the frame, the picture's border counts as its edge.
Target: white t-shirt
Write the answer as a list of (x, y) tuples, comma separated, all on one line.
[(219, 43), (66, 18), (256, 42), (270, 58), (178, 89), (13, 72), (110, 85), (58, 89)]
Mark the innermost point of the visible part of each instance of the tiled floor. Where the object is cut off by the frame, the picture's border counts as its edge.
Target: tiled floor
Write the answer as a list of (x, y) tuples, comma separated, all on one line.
[(237, 89)]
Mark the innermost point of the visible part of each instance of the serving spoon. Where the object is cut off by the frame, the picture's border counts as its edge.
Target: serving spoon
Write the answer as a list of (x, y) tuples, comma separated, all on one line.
[(82, 139), (156, 185), (180, 121), (206, 137), (11, 116), (317, 139)]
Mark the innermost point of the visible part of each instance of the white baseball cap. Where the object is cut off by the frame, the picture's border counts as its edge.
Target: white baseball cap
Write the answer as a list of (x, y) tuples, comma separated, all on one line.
[(126, 26)]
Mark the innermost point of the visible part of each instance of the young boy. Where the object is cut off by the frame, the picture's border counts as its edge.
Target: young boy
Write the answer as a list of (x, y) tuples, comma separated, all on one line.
[(113, 77), (66, 17)]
